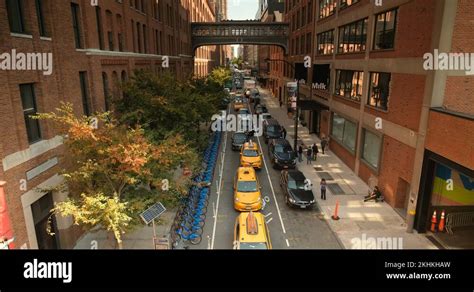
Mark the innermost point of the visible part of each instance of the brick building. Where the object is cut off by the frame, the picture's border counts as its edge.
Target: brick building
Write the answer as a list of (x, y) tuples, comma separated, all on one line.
[(399, 126), (93, 49)]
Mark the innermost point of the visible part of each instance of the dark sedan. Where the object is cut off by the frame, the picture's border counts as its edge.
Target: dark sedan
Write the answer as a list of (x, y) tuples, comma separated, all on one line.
[(281, 154), (238, 140), (297, 189)]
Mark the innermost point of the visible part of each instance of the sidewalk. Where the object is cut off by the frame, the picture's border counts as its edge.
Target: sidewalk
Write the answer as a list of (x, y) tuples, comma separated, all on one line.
[(360, 222)]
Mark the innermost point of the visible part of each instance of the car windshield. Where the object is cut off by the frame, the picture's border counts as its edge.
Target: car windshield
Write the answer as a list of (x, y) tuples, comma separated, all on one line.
[(247, 186), (253, 245), (250, 153), (282, 149), (267, 117), (296, 184)]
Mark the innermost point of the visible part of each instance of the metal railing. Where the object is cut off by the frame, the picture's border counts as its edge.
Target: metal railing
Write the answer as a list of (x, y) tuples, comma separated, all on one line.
[(459, 219)]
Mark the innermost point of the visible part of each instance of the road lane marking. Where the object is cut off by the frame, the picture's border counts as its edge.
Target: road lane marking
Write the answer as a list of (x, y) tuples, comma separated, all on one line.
[(270, 181), (268, 214), (287, 243), (219, 187), (269, 220)]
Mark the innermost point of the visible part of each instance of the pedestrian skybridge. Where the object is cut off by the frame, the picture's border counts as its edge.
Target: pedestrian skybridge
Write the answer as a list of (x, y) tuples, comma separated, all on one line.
[(240, 32)]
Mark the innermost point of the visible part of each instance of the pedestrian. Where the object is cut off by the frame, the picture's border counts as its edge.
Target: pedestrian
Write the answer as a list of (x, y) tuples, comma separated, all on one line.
[(300, 153), (315, 152), (309, 155), (323, 189), (284, 133), (281, 102), (324, 143)]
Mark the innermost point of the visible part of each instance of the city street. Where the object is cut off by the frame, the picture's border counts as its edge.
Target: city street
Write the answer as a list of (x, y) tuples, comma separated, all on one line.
[(289, 228)]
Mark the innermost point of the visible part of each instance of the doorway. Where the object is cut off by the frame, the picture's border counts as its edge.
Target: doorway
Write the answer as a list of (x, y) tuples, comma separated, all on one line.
[(316, 122), (403, 191), (41, 216)]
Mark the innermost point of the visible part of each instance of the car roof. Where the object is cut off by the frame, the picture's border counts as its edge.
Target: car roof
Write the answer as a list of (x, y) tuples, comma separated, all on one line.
[(296, 174), (281, 141), (272, 122), (249, 146), (246, 173), (252, 229)]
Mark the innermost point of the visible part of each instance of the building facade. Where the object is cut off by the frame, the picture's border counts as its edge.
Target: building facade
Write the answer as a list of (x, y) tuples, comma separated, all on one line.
[(394, 122), (93, 48)]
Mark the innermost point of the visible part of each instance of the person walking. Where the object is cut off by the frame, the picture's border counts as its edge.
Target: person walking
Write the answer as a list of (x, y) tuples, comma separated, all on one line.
[(323, 189), (324, 143), (309, 155), (281, 102), (300, 153), (284, 133), (315, 152)]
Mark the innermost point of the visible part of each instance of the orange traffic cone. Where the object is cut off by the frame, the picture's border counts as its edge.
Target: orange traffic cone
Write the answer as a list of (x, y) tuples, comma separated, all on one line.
[(433, 222), (441, 222), (336, 210)]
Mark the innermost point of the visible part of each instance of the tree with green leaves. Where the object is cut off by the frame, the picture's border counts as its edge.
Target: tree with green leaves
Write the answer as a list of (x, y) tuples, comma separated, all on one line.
[(114, 171)]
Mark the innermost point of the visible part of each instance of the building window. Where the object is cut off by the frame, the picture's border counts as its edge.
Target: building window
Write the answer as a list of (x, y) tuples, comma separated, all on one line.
[(371, 150), (353, 37), (349, 84), (347, 3), (326, 43), (41, 19), (110, 36), (98, 16), (15, 16), (84, 93), (105, 83), (327, 8), (344, 131), (76, 25), (379, 90), (120, 41), (28, 100), (385, 30)]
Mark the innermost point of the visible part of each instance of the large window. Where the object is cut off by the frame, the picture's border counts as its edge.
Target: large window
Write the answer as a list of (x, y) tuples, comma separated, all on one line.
[(353, 37), (344, 131), (76, 25), (28, 100), (327, 8), (326, 43), (100, 31), (371, 150), (40, 12), (349, 84), (385, 30), (15, 16), (84, 93), (379, 90), (346, 3)]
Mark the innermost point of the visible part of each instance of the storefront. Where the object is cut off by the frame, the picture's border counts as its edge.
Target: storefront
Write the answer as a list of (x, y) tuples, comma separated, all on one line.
[(449, 187)]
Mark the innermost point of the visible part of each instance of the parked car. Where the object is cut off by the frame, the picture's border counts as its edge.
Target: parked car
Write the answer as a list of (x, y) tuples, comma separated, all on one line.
[(296, 189), (238, 140), (281, 154), (251, 231), (238, 103), (272, 130), (247, 195)]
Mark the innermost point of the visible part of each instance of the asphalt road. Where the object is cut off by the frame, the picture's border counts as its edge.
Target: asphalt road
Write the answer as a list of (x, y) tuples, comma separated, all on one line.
[(289, 228)]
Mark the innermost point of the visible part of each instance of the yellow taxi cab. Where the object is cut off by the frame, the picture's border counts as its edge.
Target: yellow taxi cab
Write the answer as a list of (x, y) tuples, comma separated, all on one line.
[(251, 232), (247, 195), (250, 155)]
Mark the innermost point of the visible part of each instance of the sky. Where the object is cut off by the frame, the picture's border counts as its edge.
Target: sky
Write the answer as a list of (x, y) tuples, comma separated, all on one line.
[(242, 9)]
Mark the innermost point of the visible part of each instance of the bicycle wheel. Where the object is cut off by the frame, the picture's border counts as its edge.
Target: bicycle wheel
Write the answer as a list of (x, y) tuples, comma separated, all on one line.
[(196, 239)]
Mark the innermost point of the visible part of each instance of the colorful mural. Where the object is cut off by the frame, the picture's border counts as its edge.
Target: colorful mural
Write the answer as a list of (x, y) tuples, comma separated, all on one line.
[(452, 188)]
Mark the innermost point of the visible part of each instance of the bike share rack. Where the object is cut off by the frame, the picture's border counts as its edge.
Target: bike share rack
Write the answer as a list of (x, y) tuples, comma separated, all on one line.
[(190, 219)]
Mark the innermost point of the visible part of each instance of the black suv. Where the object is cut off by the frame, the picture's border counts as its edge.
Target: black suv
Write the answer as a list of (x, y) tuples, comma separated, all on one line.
[(281, 154), (272, 130), (297, 189), (238, 140)]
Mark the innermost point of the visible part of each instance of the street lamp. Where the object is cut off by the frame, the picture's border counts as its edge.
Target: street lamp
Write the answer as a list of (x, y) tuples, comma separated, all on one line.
[(297, 96)]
